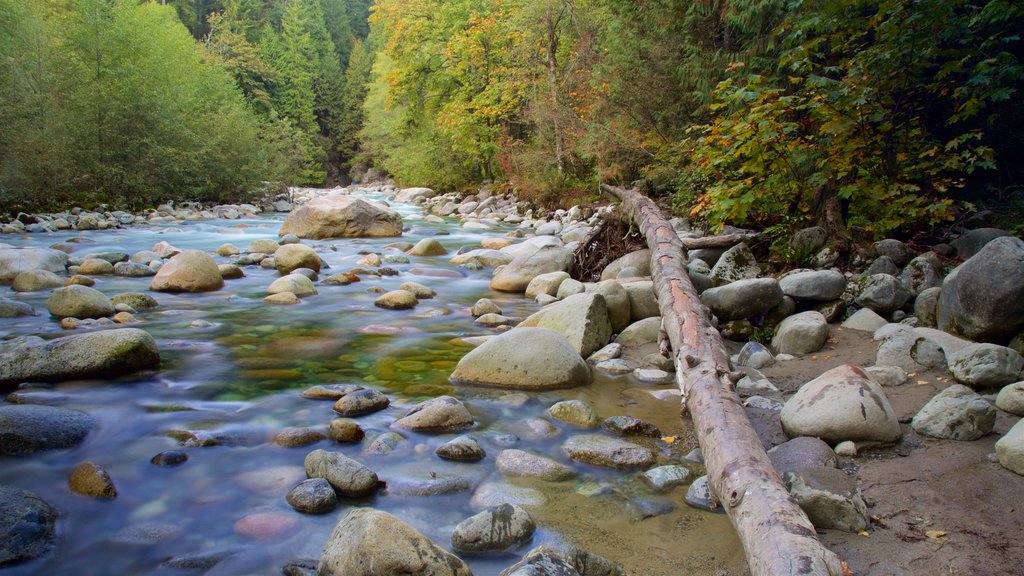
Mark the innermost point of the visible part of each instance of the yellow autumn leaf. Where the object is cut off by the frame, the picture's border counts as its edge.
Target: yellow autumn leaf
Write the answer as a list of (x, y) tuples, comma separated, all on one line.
[(669, 439), (864, 533), (935, 534)]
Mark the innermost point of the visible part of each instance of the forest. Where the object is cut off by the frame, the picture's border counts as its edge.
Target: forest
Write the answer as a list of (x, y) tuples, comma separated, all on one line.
[(896, 114)]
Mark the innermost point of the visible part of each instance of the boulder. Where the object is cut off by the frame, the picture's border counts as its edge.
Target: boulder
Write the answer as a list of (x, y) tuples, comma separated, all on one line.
[(829, 497), (132, 270), (546, 560), (1009, 449), (640, 332), (230, 271), (428, 247), (413, 194), (36, 281), (736, 263), (575, 412), (517, 274), (743, 298), (841, 404), (361, 402), (519, 463), (30, 428), (926, 307), (164, 250), (546, 284), (801, 452), (342, 217), (903, 347), (568, 287), (800, 334), (864, 320), (643, 302), (313, 496), (14, 261), (755, 355), (971, 242), (598, 450), (78, 301), (983, 298), (616, 298), (486, 258), (291, 257), (369, 542), (882, 293), (956, 413), (95, 267), (437, 415), (986, 365), (263, 246), (189, 271), (922, 273), (396, 300), (297, 284), (581, 318), (498, 529), (640, 260), (461, 449), (1011, 399), (665, 478), (813, 285), (13, 309), (807, 241), (139, 301), (27, 526), (524, 359), (90, 479), (883, 265), (898, 252), (418, 290), (349, 478), (104, 353)]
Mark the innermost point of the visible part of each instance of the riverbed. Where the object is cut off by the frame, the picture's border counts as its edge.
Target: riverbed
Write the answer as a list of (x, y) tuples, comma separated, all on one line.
[(233, 367)]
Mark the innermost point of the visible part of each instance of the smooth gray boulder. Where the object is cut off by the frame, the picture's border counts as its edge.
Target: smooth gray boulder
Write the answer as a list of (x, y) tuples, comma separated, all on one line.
[(899, 345), (524, 359), (802, 333), (882, 293), (27, 526), (546, 560), (1011, 399), (437, 415), (348, 477), (598, 450), (105, 353), (640, 332), (864, 320), (582, 318), (30, 428), (498, 529), (14, 261), (13, 309), (956, 413), (1010, 449), (575, 412), (983, 298), (922, 273), (736, 263), (813, 285), (291, 257), (517, 274), (926, 307), (640, 260), (189, 271), (461, 449), (986, 365), (841, 404), (665, 478), (411, 195), (342, 217), (755, 355), (295, 283), (36, 281), (743, 298), (895, 250), (643, 302), (78, 301), (369, 542), (971, 242), (802, 452), (313, 496), (616, 298)]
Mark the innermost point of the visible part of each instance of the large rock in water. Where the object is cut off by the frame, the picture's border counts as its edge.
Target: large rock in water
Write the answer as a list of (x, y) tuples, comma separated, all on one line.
[(342, 217), (516, 275), (498, 529), (29, 428), (294, 256), (189, 271), (26, 526), (94, 354), (369, 542), (14, 261), (983, 298), (348, 477), (523, 359), (581, 318), (78, 301), (841, 404)]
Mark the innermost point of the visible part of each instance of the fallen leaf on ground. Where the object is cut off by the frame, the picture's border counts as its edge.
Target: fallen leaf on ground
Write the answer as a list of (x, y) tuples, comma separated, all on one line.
[(935, 534)]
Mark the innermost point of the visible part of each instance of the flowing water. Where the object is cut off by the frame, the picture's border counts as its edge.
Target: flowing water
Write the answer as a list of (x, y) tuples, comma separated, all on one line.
[(233, 365)]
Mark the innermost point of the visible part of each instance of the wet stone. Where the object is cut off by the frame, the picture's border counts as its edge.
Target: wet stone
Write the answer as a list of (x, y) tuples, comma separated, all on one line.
[(26, 526), (385, 443), (89, 479), (313, 496), (169, 458), (607, 452), (699, 496), (329, 391), (519, 463), (462, 449), (295, 437), (345, 430), (498, 529), (360, 402), (630, 426), (665, 478)]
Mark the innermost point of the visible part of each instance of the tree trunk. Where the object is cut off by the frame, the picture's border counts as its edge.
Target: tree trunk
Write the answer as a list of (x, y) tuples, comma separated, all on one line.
[(776, 535)]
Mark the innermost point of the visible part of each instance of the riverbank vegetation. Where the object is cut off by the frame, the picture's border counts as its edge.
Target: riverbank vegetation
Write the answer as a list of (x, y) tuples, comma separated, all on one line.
[(884, 113)]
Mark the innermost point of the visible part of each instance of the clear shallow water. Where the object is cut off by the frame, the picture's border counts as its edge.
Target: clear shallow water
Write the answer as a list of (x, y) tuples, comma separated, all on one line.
[(241, 376)]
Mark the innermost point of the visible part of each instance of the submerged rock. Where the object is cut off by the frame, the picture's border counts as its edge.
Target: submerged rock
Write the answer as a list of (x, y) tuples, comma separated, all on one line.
[(90, 479), (26, 526), (498, 529), (607, 452), (313, 496), (28, 428)]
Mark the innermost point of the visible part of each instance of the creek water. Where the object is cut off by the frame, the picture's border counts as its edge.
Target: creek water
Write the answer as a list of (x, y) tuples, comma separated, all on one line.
[(233, 365)]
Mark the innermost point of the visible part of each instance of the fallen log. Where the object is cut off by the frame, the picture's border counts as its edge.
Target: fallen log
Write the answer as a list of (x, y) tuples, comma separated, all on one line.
[(776, 535), (724, 241)]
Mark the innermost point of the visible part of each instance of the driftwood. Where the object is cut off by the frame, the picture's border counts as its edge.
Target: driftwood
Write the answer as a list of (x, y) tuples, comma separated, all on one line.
[(724, 241), (776, 535)]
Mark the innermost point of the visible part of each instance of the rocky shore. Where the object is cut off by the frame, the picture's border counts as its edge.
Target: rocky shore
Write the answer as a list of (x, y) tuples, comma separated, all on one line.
[(845, 372)]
